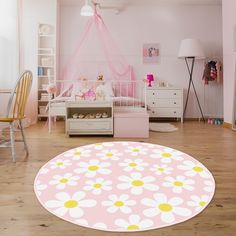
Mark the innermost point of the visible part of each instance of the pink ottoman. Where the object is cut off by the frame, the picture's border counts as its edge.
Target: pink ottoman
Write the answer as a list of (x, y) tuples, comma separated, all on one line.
[(131, 125)]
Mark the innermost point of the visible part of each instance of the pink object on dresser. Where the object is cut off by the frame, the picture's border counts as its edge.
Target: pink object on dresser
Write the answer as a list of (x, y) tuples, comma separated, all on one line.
[(131, 125)]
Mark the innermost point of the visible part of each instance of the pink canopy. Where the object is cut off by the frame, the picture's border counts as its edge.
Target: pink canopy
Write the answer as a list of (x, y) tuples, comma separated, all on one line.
[(84, 65)]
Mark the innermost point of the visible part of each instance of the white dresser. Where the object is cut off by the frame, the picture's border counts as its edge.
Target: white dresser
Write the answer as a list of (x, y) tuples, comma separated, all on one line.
[(165, 102)]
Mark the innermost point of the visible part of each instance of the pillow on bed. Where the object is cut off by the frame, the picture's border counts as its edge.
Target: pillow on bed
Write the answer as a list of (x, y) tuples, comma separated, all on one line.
[(104, 91)]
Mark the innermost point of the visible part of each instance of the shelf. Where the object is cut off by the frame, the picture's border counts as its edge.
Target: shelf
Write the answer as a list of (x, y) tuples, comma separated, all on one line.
[(48, 55), (47, 35), (45, 76), (46, 60), (45, 66)]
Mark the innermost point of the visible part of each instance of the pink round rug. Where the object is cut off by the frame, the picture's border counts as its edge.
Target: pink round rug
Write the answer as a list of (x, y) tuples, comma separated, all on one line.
[(124, 186)]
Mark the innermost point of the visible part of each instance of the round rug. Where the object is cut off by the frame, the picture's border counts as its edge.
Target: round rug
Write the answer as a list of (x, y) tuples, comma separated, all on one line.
[(124, 186)]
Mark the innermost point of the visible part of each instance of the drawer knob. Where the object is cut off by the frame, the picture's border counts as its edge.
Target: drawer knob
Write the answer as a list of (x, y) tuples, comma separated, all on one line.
[(174, 112), (175, 103), (153, 103), (175, 94), (153, 93), (153, 112)]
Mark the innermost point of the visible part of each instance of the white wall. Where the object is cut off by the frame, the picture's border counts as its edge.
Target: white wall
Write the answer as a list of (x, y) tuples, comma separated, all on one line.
[(158, 23), (8, 43), (229, 21)]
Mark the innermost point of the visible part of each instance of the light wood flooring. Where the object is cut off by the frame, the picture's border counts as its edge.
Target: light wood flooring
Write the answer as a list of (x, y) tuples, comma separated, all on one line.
[(22, 215)]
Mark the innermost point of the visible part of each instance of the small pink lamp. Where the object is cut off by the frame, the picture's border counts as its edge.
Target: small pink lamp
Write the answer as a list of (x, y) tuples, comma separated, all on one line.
[(150, 79)]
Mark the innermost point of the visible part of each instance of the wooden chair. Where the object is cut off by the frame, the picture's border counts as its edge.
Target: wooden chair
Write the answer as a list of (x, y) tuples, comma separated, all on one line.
[(16, 108)]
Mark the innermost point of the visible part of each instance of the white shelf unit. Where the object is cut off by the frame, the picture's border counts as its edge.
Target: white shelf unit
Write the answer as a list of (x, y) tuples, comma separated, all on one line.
[(165, 102), (96, 126), (46, 65)]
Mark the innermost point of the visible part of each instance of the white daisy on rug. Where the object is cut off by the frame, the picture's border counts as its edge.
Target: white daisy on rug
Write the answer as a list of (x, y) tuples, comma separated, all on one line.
[(136, 183), (84, 222), (62, 181), (100, 146), (192, 169), (81, 222), (100, 225), (64, 203), (136, 150), (198, 202), (77, 153), (109, 155), (93, 167), (167, 155), (134, 223), (43, 171), (119, 203), (98, 185), (179, 183), (137, 164), (161, 169), (167, 209), (209, 186), (59, 163), (39, 187)]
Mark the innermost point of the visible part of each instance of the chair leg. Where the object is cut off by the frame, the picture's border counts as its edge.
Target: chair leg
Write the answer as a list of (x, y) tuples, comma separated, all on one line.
[(12, 142), (23, 136)]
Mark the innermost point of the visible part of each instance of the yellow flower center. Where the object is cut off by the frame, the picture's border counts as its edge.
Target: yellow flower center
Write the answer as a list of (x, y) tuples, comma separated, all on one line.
[(119, 204), (136, 150), (202, 203), (77, 153), (97, 185), (178, 184), (109, 154), (133, 227), (137, 183), (197, 168), (166, 155), (71, 204), (60, 163), (132, 164), (93, 168), (161, 169), (98, 144), (64, 180), (165, 207)]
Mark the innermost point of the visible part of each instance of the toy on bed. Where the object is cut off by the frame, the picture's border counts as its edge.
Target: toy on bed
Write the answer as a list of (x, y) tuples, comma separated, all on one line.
[(84, 91), (103, 90)]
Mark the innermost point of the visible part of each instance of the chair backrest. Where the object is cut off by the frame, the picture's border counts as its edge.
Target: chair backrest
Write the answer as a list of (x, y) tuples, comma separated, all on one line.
[(18, 98)]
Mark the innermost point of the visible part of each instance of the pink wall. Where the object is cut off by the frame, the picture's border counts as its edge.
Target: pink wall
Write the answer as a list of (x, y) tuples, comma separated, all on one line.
[(229, 21), (166, 24)]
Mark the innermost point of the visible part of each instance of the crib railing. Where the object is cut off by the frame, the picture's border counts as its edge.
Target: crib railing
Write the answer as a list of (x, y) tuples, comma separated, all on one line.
[(127, 94)]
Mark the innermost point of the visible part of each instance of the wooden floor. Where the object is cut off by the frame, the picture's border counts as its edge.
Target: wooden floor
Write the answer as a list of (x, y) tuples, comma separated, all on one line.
[(22, 215)]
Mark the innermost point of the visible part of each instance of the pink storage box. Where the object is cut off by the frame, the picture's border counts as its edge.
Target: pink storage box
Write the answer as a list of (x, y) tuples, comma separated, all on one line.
[(131, 125)]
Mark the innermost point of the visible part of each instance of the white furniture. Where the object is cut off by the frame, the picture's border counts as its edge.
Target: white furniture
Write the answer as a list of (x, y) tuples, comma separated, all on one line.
[(165, 102), (46, 65), (85, 126)]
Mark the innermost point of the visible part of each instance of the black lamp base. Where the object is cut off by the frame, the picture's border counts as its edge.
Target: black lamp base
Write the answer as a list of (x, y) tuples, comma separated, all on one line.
[(189, 85)]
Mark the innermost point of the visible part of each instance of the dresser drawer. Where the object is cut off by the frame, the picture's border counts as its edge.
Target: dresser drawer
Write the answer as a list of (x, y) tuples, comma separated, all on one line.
[(88, 125), (167, 93), (165, 102), (165, 112)]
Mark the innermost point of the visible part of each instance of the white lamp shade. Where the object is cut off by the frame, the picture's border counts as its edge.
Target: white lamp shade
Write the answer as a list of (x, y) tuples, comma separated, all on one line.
[(191, 48), (86, 10)]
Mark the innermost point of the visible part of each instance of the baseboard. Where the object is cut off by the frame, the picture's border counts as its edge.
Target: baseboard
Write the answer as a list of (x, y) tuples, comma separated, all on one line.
[(227, 125)]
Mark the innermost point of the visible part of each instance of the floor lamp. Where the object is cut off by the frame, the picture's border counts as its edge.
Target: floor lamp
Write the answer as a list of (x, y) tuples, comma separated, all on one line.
[(191, 50)]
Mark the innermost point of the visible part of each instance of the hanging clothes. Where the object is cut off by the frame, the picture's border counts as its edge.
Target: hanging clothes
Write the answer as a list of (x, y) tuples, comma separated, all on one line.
[(212, 72)]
